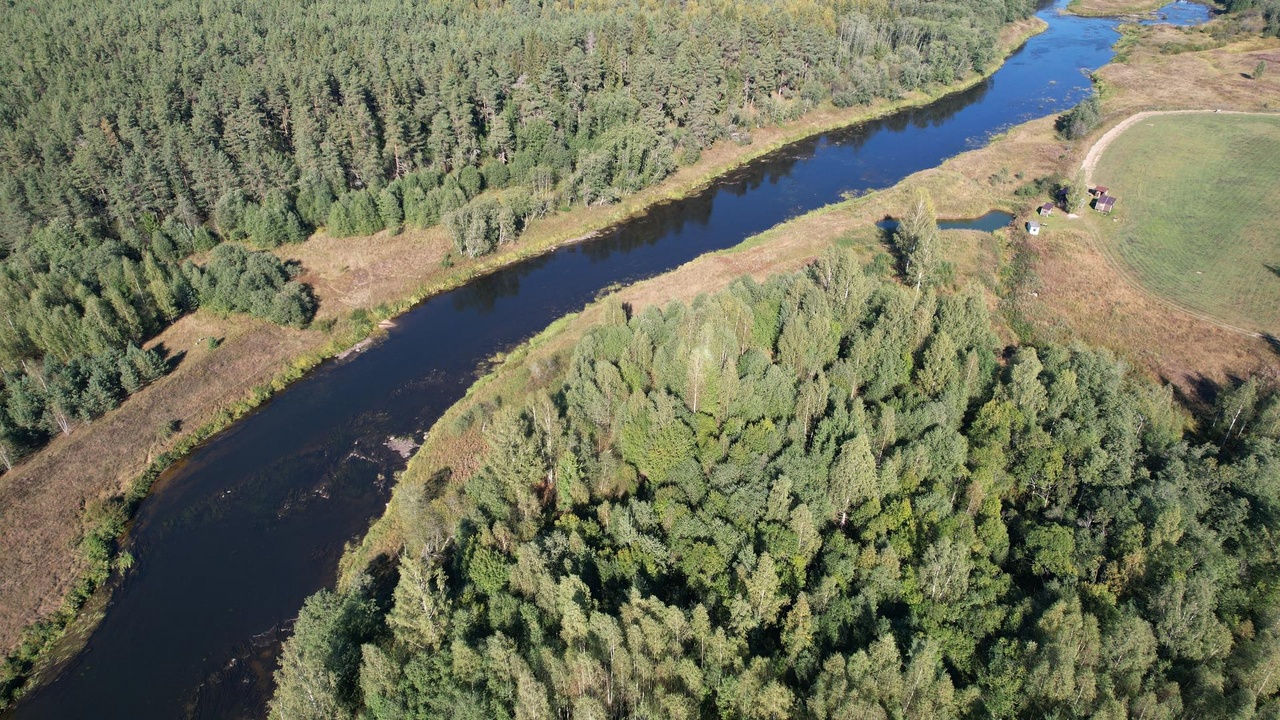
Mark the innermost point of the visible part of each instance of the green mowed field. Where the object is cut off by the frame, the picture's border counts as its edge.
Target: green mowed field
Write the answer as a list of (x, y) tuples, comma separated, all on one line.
[(1198, 212)]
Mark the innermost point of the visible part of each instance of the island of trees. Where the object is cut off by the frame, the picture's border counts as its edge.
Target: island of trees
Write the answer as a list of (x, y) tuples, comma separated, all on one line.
[(824, 496)]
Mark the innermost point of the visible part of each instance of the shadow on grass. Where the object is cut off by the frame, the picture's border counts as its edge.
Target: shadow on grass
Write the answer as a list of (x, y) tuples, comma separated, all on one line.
[(1200, 393), (1203, 391), (171, 359), (1272, 342), (886, 230)]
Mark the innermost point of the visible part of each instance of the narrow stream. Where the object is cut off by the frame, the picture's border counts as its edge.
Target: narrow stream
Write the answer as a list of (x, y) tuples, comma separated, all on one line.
[(232, 540)]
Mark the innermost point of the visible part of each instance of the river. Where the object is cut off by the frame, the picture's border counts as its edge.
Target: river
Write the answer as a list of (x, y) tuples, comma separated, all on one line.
[(232, 540)]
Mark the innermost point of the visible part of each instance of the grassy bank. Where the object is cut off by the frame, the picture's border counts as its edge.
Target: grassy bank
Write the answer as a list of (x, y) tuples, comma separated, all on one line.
[(1113, 8), (68, 556), (53, 640)]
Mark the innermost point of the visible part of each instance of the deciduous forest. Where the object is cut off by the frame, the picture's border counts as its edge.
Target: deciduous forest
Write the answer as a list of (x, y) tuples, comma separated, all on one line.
[(134, 136), (824, 496)]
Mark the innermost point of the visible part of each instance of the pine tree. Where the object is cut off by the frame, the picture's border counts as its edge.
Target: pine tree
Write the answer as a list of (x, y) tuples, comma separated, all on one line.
[(389, 210)]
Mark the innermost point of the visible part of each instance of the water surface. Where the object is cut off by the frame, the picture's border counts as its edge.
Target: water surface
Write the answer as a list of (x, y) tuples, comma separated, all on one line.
[(231, 541), (1181, 13), (990, 222)]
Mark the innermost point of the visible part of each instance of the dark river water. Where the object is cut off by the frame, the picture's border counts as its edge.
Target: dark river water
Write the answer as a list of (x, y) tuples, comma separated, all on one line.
[(232, 540)]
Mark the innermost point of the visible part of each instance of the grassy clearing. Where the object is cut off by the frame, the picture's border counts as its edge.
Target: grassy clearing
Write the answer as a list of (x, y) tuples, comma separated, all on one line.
[(1195, 223)]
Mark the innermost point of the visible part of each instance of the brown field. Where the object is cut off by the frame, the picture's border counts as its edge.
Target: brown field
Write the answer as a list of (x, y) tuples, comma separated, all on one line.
[(350, 273), (1074, 293), (42, 499)]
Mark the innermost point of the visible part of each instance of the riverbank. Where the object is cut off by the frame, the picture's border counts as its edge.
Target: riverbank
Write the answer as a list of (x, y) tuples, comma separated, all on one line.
[(1057, 287), (359, 282)]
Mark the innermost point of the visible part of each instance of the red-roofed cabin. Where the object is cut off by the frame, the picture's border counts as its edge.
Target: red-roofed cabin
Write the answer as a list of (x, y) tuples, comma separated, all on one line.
[(1046, 209), (1100, 190)]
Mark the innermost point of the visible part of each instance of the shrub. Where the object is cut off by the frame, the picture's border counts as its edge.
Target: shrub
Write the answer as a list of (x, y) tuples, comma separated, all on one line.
[(1081, 120)]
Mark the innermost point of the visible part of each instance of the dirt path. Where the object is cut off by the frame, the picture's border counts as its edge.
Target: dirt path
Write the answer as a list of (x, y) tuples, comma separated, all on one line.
[(1091, 163)]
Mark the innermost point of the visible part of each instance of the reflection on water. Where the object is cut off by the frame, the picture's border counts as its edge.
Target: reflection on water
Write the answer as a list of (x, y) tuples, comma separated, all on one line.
[(232, 540)]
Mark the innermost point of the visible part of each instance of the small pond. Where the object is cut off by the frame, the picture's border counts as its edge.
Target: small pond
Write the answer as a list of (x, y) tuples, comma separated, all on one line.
[(990, 222)]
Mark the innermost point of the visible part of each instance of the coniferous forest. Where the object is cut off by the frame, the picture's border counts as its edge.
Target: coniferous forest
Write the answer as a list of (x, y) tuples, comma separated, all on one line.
[(135, 135), (824, 496)]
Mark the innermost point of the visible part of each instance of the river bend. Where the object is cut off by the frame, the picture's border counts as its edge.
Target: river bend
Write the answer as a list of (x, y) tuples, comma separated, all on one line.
[(233, 539)]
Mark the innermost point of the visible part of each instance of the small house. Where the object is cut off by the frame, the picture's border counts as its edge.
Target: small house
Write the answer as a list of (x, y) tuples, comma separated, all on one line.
[(1046, 209), (1099, 190), (1033, 227), (1104, 204)]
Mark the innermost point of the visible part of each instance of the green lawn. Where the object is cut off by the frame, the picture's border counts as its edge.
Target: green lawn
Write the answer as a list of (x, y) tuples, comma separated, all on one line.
[(1199, 212)]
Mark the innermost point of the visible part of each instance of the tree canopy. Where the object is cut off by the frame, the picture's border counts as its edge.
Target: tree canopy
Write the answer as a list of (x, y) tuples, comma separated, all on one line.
[(135, 135), (128, 112), (1265, 12), (825, 496)]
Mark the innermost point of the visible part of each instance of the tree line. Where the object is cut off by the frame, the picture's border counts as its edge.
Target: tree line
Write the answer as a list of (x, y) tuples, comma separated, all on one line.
[(824, 496), (131, 112)]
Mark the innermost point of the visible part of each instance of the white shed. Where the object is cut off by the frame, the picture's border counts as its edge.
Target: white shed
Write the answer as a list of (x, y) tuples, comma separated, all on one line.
[(1033, 227)]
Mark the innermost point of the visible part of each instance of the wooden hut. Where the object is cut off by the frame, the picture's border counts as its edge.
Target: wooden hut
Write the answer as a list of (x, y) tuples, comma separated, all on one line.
[(1045, 209)]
